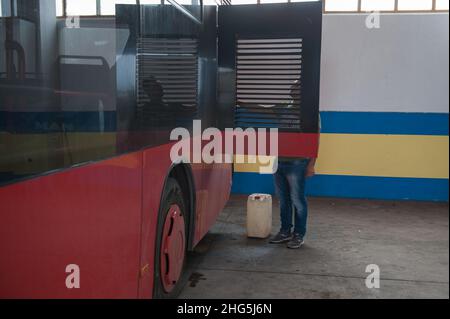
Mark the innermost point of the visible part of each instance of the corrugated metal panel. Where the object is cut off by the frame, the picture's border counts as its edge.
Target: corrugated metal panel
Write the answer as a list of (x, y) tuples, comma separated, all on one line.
[(268, 83)]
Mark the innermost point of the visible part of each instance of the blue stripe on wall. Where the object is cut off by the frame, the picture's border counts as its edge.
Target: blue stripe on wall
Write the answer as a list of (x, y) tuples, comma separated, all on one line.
[(352, 187), (385, 123)]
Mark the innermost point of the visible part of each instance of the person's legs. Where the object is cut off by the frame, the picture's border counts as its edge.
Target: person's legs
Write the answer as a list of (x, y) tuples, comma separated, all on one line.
[(283, 192), (297, 179)]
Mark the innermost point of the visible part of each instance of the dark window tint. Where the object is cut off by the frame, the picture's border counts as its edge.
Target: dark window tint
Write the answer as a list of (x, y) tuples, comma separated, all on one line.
[(83, 92), (167, 80)]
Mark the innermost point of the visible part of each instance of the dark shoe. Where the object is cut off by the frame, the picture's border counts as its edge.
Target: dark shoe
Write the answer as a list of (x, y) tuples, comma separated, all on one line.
[(281, 238), (296, 242)]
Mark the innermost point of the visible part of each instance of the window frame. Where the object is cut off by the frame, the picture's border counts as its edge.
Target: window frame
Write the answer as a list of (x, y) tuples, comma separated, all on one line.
[(396, 9), (99, 9), (227, 2)]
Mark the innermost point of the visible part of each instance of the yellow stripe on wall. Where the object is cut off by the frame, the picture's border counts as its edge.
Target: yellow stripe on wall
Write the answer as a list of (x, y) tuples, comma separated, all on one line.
[(412, 156)]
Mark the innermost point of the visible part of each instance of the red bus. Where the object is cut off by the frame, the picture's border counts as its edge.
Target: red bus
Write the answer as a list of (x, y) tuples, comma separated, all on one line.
[(88, 193), (91, 204)]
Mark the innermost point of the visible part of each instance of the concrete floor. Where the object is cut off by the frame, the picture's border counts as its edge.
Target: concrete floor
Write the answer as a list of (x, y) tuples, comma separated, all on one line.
[(409, 241)]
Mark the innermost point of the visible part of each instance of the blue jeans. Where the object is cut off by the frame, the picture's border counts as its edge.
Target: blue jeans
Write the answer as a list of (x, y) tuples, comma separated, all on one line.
[(290, 187)]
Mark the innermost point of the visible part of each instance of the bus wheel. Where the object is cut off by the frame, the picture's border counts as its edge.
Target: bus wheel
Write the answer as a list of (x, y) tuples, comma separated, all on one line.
[(170, 256)]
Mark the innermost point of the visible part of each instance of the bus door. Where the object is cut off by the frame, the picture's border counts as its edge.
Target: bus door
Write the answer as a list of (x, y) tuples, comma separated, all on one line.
[(269, 72)]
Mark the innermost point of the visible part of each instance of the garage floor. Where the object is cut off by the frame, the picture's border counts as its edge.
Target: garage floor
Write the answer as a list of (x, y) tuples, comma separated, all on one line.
[(409, 241)]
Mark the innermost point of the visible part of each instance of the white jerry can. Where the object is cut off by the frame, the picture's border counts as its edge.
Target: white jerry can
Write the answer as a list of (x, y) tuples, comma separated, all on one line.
[(259, 216)]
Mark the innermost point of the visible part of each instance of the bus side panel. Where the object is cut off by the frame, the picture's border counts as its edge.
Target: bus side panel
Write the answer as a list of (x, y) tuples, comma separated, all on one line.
[(88, 216), (213, 186), (156, 166)]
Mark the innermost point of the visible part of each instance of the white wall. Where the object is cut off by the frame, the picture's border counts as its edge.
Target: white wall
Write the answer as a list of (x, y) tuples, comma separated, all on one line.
[(401, 67)]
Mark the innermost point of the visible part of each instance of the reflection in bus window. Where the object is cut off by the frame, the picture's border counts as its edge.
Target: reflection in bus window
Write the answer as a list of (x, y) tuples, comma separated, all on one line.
[(56, 109), (60, 86), (167, 76)]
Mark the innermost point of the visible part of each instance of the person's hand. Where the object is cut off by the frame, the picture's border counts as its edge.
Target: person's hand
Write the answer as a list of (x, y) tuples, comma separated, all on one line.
[(310, 170)]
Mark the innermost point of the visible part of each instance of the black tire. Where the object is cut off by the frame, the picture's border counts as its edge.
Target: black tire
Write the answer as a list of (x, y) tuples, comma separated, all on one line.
[(172, 195)]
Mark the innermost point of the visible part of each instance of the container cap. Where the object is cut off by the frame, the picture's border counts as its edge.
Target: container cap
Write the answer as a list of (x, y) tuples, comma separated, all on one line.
[(260, 197)]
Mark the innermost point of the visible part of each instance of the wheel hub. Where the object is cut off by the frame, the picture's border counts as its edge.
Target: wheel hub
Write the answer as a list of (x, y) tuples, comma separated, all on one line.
[(172, 248)]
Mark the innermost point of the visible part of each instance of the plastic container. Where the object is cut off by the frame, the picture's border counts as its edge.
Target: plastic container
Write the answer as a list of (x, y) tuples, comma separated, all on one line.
[(259, 216)]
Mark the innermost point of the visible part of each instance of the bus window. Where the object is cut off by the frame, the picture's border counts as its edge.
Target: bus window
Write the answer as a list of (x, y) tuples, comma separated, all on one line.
[(74, 95), (57, 106), (167, 81)]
